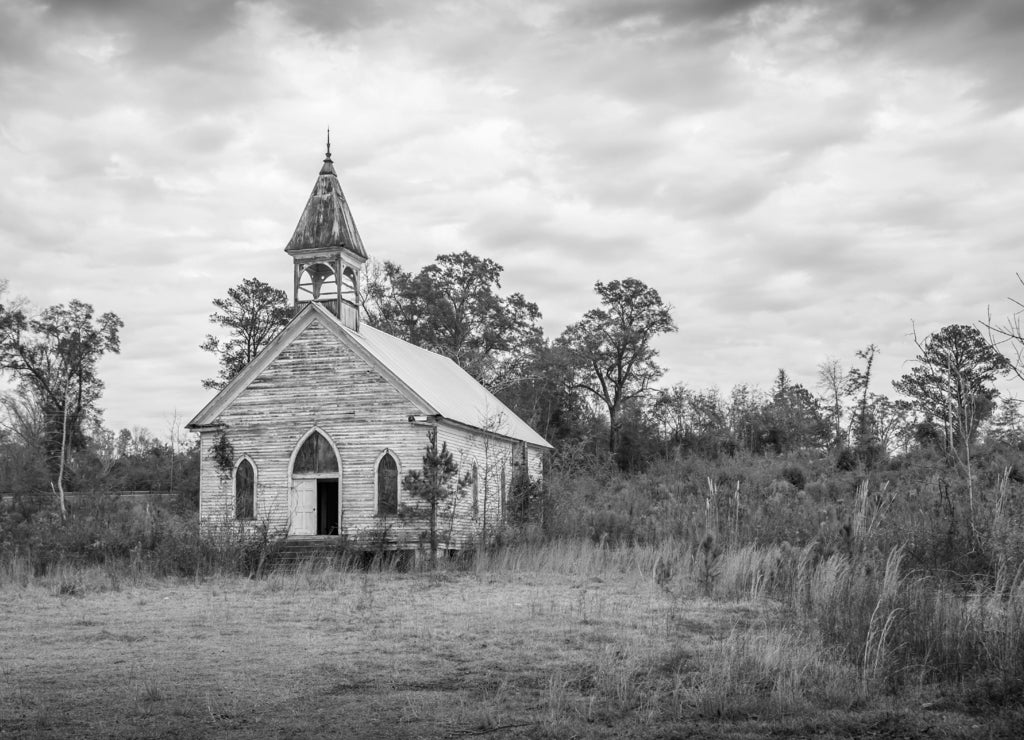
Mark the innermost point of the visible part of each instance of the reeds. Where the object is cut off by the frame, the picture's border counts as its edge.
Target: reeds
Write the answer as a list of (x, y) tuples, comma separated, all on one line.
[(767, 672), (897, 628)]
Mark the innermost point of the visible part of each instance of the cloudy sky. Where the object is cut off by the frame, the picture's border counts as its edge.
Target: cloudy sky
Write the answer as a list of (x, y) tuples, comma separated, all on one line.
[(798, 179)]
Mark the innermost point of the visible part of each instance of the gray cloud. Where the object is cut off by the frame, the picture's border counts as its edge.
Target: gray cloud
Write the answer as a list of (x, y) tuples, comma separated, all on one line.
[(150, 31), (798, 178), (329, 17), (666, 12)]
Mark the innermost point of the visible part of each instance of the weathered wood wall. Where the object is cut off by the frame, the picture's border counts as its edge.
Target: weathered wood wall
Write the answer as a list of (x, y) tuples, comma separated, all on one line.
[(318, 382)]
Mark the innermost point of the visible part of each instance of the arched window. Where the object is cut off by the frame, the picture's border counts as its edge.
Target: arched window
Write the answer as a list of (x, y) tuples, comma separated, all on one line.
[(245, 490), (504, 502), (387, 485), (476, 491), (318, 283), (315, 456), (349, 286)]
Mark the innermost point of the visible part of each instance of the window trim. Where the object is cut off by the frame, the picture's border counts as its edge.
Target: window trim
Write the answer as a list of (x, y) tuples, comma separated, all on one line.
[(476, 491), (376, 482), (503, 498), (234, 486), (295, 454)]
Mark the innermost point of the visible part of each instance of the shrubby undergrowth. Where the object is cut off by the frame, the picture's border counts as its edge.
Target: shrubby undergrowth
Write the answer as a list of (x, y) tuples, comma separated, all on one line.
[(909, 574), (103, 531), (919, 502), (895, 578)]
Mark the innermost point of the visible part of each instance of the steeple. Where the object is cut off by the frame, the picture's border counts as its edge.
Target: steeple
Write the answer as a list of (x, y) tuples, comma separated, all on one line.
[(327, 249), (326, 222)]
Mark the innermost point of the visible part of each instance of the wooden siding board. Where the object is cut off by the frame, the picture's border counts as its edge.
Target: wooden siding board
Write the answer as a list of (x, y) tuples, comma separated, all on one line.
[(353, 405), (319, 382)]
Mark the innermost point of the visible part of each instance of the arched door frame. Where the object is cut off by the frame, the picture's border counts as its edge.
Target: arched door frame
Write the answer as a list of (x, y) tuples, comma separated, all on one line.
[(292, 503)]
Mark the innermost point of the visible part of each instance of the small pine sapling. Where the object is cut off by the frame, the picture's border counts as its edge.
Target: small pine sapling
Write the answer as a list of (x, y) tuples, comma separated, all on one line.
[(438, 485)]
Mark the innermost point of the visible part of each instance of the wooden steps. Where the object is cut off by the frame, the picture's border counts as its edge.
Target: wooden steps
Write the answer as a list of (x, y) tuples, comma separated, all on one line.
[(295, 550)]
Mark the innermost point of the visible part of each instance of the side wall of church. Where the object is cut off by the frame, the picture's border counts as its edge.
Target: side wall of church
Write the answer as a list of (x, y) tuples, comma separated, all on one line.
[(492, 463)]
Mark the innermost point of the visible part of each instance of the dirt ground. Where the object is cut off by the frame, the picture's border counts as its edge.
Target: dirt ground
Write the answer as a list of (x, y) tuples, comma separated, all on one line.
[(354, 655)]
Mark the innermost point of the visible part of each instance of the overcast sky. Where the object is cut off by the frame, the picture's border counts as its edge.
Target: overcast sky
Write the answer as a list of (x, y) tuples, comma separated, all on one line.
[(797, 179)]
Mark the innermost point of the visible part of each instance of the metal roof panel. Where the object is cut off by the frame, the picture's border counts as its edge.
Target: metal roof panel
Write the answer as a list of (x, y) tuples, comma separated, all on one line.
[(453, 392)]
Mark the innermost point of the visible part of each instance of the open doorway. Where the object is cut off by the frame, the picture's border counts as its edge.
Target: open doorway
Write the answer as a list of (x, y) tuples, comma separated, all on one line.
[(315, 505), (327, 506)]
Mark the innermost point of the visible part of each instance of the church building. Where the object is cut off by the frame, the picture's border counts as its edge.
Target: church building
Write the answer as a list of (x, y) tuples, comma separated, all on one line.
[(314, 436)]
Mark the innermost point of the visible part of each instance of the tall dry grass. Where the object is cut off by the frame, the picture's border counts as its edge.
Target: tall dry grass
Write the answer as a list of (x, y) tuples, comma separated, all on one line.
[(830, 631), (582, 557), (768, 673), (898, 628)]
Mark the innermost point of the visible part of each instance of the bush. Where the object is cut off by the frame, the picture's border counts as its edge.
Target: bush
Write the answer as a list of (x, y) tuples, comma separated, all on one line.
[(102, 531), (795, 476)]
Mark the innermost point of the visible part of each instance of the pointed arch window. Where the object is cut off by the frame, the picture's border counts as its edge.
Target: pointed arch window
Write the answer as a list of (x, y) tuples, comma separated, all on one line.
[(476, 490), (315, 456), (387, 485), (245, 490), (503, 483)]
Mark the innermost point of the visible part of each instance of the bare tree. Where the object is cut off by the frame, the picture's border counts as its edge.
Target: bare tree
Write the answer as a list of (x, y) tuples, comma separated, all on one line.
[(834, 381), (1007, 337)]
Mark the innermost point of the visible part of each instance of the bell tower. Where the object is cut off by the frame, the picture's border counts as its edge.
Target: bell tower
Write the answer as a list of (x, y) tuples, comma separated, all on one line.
[(327, 250)]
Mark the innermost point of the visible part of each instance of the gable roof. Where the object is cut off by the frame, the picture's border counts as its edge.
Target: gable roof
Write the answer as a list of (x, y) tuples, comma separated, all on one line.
[(326, 221), (434, 384), (449, 390)]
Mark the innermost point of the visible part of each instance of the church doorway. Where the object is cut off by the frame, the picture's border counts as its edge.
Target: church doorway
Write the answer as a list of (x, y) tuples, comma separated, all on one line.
[(327, 509), (315, 497)]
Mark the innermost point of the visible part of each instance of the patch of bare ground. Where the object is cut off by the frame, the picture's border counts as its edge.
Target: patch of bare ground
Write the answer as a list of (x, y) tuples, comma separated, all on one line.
[(322, 653)]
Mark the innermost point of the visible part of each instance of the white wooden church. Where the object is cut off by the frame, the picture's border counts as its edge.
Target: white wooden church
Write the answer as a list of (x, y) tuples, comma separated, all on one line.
[(314, 436)]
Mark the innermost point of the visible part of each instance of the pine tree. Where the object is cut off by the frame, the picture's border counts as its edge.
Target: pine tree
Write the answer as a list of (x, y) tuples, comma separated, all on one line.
[(437, 484)]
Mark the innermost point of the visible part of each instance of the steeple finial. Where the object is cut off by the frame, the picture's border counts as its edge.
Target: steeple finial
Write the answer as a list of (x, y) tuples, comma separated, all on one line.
[(328, 168)]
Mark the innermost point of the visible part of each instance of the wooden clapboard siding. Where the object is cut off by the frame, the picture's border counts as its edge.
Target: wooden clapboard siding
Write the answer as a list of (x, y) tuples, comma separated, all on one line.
[(316, 382), (319, 382), (489, 453), (365, 390), (496, 458)]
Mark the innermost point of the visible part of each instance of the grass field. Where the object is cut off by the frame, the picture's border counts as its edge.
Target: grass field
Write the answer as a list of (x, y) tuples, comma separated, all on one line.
[(562, 644)]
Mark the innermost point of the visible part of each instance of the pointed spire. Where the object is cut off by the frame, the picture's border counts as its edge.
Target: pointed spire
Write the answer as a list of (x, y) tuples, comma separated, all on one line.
[(328, 168), (326, 222)]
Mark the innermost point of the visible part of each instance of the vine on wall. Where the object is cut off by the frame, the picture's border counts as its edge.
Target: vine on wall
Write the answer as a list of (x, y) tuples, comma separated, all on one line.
[(223, 454)]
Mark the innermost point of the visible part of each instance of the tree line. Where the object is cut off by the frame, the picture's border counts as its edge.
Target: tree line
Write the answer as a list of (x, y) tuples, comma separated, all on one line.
[(52, 436), (592, 390)]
